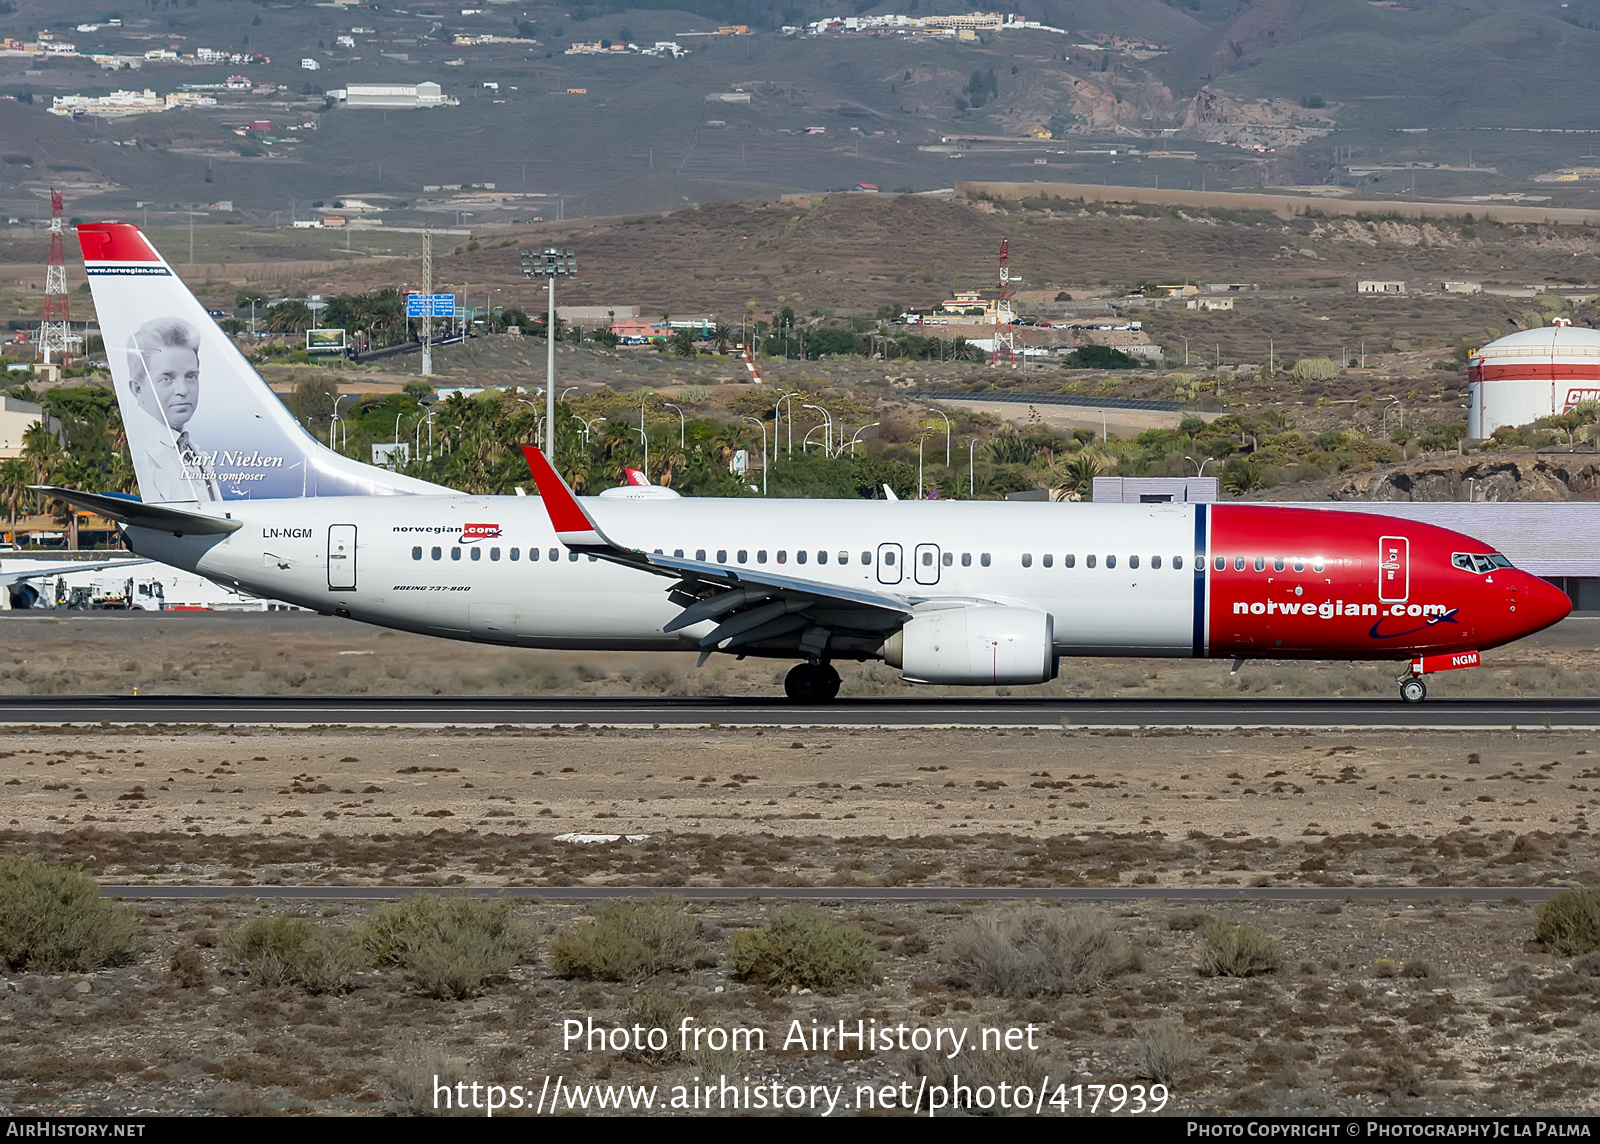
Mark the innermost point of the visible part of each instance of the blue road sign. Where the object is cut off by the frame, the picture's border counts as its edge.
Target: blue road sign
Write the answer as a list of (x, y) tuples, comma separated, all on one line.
[(431, 305)]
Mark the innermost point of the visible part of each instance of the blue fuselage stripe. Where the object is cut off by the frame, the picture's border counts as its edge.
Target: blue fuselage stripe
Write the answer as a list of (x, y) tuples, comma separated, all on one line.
[(1200, 514)]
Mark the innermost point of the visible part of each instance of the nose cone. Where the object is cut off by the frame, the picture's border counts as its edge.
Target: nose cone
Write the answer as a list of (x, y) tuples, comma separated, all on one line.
[(1544, 604)]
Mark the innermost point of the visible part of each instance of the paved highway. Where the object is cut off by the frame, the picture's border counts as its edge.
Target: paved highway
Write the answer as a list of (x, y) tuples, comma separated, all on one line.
[(865, 893), (419, 711)]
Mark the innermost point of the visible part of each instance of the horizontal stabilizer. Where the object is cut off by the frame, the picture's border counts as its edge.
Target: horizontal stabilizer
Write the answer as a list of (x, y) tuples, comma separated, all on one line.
[(164, 518)]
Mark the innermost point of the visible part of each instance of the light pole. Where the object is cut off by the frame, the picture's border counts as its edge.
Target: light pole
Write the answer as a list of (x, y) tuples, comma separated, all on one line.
[(763, 425), (858, 433), (1199, 466), (643, 435), (940, 412), (681, 422), (1185, 350), (569, 389), (537, 436), (972, 480), (588, 426), (336, 425), (1271, 360), (920, 440), (549, 264), (488, 319), (776, 416), (827, 426), (1393, 401)]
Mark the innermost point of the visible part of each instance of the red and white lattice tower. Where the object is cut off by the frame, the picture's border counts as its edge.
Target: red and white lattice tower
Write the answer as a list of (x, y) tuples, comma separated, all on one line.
[(1005, 342), (55, 334)]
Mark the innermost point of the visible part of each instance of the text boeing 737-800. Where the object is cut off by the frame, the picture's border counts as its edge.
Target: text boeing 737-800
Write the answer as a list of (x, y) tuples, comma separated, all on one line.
[(948, 592)]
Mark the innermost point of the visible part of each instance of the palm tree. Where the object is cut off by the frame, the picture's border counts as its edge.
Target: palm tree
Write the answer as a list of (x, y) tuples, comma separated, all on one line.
[(682, 343), (721, 336), (14, 481)]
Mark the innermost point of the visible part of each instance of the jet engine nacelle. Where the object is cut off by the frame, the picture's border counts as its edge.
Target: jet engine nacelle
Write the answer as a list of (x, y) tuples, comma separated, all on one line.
[(976, 645)]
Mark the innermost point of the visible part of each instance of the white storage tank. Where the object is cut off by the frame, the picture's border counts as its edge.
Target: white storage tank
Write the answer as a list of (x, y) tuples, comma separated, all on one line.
[(1532, 374)]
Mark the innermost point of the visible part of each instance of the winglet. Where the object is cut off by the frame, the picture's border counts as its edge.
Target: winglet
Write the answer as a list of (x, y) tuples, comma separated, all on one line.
[(574, 527)]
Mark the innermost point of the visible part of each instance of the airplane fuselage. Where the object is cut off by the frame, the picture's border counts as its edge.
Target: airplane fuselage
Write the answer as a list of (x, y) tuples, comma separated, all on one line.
[(1143, 580)]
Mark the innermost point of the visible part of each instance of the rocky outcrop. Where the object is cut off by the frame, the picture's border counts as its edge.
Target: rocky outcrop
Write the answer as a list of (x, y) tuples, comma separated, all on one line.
[(1514, 477)]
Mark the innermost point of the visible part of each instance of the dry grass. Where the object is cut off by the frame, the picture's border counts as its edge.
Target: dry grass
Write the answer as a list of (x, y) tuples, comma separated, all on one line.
[(1039, 952), (1569, 923), (1228, 950), (447, 947), (630, 940)]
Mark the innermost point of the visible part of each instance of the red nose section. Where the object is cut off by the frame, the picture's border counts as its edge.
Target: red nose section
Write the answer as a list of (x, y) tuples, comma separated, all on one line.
[(1545, 604)]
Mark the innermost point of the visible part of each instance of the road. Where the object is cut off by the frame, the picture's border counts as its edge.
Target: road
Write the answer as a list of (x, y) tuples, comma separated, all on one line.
[(422, 711)]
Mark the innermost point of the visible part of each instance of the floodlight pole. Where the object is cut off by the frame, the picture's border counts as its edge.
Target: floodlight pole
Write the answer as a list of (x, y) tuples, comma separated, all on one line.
[(550, 369), (763, 426)]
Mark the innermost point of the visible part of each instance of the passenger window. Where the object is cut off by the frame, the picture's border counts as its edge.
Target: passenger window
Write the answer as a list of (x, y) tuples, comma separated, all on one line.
[(1316, 566), (1238, 563), (477, 554), (822, 556), (516, 553), (1155, 562), (1261, 563), (455, 554), (844, 557), (1298, 565), (555, 554), (722, 556), (1089, 561), (1111, 561), (700, 554), (678, 552), (966, 560), (437, 553), (1049, 560), (533, 553), (866, 558), (949, 559), (1277, 564), (744, 555), (783, 556), (592, 559), (1220, 563), (1027, 560), (1133, 562), (416, 553), (761, 556), (983, 558), (494, 554), (1069, 560), (927, 560), (1177, 562), (572, 557), (799, 556)]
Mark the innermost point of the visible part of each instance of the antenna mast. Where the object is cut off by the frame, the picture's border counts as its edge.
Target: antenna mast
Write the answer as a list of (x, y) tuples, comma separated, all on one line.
[(427, 303), (1005, 343), (55, 334)]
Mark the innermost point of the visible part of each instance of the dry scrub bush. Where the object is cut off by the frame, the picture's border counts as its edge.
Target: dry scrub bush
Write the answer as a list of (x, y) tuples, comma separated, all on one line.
[(1236, 951), (1164, 1052), (416, 1072), (629, 940), (187, 969), (654, 1011), (279, 951), (1569, 923), (802, 947), (447, 947), (974, 1070), (1039, 952), (53, 920)]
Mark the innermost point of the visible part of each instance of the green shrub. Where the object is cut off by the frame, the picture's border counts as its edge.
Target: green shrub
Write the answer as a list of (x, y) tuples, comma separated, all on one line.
[(1236, 951), (1569, 923), (629, 940), (1038, 952), (1314, 369), (802, 946), (53, 920), (278, 951), (447, 947)]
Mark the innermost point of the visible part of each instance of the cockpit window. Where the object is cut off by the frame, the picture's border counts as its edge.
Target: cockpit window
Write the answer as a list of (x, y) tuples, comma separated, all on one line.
[(1475, 562)]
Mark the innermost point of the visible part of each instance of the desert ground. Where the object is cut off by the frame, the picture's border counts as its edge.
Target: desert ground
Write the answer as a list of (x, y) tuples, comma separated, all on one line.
[(1437, 1006)]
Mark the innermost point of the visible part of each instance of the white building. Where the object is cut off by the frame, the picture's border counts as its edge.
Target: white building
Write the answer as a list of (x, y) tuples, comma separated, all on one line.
[(16, 418), (395, 95), (309, 64)]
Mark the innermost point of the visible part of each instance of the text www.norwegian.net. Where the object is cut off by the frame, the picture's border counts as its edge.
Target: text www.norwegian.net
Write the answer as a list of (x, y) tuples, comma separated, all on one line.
[(559, 1096)]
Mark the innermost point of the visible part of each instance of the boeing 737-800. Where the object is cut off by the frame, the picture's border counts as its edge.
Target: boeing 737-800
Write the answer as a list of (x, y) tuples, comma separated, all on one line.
[(948, 592)]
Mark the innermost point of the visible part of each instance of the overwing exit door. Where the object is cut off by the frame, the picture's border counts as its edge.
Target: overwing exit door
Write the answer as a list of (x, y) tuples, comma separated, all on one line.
[(890, 564), (926, 569), (1394, 569), (341, 558)]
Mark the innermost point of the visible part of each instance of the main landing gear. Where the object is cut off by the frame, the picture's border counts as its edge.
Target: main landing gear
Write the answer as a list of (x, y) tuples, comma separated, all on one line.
[(812, 683)]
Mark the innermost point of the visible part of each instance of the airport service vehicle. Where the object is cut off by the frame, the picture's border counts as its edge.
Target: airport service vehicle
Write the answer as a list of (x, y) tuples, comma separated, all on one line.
[(948, 592)]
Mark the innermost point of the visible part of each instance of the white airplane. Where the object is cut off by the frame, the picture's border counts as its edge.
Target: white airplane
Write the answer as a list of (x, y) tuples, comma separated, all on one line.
[(948, 592)]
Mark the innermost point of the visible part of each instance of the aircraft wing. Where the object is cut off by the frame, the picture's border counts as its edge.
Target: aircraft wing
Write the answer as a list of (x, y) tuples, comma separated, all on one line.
[(752, 608)]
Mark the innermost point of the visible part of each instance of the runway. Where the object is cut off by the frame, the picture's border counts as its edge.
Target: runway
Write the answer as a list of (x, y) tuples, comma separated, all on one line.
[(435, 711), (859, 893)]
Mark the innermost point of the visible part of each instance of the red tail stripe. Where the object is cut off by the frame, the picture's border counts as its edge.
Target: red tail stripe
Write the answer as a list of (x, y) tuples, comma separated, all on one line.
[(566, 515), (114, 242)]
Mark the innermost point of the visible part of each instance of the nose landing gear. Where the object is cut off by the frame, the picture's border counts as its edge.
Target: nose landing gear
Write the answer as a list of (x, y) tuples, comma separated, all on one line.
[(1413, 690), (812, 683)]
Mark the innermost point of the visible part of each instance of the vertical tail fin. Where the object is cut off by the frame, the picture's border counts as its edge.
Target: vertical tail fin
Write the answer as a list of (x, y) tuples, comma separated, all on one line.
[(201, 424)]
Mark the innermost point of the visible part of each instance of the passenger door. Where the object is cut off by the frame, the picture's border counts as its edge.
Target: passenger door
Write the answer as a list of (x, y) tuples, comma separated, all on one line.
[(1394, 569), (341, 558), (926, 568), (890, 559)]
